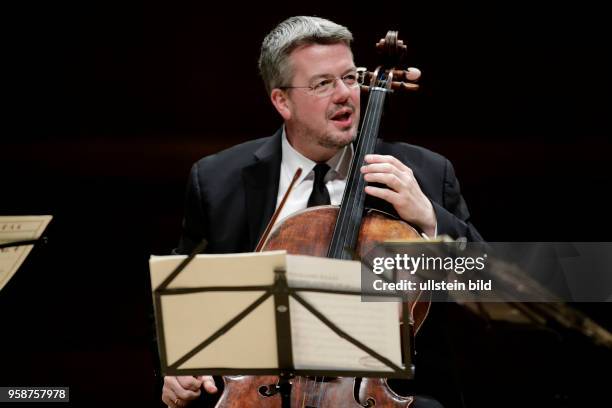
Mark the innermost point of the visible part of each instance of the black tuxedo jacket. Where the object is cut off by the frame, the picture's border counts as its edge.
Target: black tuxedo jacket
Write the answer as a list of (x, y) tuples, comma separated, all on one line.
[(231, 195)]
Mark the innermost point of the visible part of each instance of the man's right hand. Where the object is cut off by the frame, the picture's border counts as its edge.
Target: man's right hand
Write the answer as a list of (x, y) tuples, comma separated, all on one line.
[(180, 391)]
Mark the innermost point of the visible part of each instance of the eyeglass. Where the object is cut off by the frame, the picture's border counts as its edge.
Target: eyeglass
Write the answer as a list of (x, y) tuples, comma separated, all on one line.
[(326, 86)]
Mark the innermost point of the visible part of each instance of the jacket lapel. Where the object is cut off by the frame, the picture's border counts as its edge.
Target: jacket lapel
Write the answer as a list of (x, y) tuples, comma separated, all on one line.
[(261, 186)]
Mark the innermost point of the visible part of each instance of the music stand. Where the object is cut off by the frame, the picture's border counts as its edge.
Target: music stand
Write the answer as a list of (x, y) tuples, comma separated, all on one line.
[(280, 293)]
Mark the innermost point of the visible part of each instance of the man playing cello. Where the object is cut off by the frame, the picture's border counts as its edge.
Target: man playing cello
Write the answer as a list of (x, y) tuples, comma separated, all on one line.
[(307, 67)]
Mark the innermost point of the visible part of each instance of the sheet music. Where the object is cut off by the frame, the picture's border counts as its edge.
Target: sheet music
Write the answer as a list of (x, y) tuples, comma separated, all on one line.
[(13, 229), (189, 319), (245, 269), (374, 324), (325, 273)]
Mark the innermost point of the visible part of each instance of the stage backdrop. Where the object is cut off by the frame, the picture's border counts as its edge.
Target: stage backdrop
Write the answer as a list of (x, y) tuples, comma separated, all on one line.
[(108, 105)]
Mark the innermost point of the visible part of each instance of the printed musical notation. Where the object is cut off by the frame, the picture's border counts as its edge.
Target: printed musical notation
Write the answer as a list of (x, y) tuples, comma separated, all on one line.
[(15, 229), (192, 316)]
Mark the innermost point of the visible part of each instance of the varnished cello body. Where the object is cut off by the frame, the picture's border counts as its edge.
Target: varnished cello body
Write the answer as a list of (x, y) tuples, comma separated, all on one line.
[(309, 232)]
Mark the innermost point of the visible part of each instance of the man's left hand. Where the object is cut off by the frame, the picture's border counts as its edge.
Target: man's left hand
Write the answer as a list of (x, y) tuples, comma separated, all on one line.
[(403, 191)]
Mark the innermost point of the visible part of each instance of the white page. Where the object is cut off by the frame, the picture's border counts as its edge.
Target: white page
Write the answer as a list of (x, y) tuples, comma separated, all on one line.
[(190, 318), (245, 269), (374, 324), (13, 229)]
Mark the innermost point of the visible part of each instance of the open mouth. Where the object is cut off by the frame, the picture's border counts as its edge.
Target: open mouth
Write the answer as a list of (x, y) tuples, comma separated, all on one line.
[(343, 117)]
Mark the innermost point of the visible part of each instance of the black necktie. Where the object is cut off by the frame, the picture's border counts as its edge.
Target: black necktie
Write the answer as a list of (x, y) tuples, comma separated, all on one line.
[(319, 195)]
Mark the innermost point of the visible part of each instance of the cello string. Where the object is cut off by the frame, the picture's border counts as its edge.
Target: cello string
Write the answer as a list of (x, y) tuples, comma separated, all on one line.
[(355, 186), (302, 388), (307, 386), (366, 147), (362, 145), (338, 242), (368, 144), (322, 385), (321, 391), (314, 393)]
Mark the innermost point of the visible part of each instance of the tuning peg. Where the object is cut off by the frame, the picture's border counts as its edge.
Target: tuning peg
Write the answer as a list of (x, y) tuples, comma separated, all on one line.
[(413, 74), (380, 45), (396, 86), (410, 74), (404, 86)]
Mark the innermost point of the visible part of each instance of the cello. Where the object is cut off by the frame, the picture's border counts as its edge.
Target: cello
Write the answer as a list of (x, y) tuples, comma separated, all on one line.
[(341, 233)]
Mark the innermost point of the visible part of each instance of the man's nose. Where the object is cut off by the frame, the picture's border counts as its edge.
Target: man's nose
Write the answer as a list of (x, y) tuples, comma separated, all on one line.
[(341, 91)]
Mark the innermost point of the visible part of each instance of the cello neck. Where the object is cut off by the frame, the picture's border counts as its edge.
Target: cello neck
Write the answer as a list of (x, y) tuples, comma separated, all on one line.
[(348, 223)]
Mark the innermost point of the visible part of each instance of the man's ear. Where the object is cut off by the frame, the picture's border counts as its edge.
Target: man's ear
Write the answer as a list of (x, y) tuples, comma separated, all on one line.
[(281, 102)]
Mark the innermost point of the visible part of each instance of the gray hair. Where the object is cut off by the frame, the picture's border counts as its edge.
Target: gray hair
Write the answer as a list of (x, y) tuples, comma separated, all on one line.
[(293, 33)]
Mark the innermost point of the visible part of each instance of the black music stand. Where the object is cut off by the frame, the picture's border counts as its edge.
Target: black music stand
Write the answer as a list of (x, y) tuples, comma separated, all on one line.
[(280, 292), (41, 240)]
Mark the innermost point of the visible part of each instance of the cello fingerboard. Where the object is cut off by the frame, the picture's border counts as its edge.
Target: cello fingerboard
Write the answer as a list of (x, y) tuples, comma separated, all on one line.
[(347, 227)]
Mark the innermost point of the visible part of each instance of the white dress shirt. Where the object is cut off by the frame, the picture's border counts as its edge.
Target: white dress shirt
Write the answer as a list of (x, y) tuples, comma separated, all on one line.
[(335, 180)]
